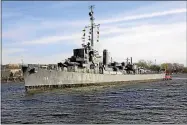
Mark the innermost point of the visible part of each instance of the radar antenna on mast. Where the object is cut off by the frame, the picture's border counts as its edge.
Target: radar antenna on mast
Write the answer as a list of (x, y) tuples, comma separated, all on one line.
[(92, 23), (92, 26)]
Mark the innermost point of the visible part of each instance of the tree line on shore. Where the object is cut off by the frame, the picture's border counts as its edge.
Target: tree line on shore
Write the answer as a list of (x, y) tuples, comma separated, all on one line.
[(171, 67)]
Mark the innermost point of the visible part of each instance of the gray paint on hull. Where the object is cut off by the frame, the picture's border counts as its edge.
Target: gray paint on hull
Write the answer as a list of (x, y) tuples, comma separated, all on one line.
[(50, 78)]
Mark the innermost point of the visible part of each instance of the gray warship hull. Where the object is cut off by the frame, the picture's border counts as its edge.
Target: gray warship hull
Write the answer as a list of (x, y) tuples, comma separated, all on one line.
[(44, 79)]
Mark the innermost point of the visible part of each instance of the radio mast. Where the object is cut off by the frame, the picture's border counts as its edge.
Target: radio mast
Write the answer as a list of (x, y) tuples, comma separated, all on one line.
[(93, 25)]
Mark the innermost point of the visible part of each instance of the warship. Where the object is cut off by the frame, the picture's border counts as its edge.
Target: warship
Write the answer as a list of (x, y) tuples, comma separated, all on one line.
[(85, 67)]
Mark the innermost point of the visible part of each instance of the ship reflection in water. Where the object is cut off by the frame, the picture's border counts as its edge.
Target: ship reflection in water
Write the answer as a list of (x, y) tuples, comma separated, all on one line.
[(163, 102)]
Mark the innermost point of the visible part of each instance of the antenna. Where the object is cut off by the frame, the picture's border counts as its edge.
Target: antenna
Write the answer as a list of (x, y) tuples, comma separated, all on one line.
[(91, 28), (92, 23), (127, 60)]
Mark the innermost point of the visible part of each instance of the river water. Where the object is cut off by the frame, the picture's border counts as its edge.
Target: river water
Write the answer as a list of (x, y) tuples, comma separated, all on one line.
[(157, 102)]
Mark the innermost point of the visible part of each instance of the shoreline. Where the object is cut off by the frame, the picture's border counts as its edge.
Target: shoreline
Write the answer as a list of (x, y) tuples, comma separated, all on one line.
[(12, 80), (16, 82)]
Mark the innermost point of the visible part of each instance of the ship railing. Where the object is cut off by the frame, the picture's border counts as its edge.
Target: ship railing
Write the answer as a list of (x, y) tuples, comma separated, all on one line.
[(94, 71), (79, 70)]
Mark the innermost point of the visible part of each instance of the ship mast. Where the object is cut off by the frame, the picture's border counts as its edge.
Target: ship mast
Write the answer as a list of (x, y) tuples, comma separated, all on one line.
[(91, 30), (92, 24)]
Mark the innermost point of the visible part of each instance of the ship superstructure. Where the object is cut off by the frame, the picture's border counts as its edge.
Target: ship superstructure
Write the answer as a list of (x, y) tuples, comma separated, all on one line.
[(87, 58)]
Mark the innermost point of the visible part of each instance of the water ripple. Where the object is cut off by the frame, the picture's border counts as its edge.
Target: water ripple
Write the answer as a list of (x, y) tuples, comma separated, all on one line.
[(138, 103)]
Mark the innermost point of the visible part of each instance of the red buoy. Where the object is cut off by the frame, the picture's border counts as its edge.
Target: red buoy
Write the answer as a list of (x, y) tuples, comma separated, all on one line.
[(168, 77)]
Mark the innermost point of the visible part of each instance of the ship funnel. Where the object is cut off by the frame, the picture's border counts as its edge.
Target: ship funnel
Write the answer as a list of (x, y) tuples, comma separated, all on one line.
[(105, 57)]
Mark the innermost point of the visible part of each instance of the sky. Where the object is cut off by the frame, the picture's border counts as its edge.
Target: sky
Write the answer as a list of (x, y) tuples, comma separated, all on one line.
[(47, 32)]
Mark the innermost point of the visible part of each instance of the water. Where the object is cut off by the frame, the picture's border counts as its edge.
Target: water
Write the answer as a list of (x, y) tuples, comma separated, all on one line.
[(157, 102)]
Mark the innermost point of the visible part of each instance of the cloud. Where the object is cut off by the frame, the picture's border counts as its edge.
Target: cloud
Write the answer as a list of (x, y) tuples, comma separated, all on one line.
[(23, 31), (122, 37), (34, 59), (143, 16), (17, 33), (12, 50), (163, 42), (8, 55), (10, 15), (52, 39)]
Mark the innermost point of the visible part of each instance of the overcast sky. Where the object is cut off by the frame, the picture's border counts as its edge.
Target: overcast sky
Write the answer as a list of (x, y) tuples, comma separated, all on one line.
[(47, 32)]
